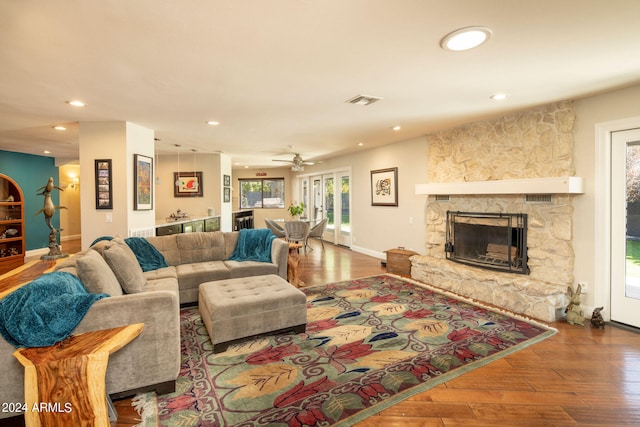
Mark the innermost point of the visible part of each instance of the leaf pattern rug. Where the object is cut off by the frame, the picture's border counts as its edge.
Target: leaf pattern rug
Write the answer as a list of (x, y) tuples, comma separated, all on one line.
[(369, 344)]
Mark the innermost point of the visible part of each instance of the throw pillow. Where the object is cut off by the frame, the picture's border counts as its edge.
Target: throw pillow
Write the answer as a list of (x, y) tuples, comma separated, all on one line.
[(100, 246), (96, 275), (125, 266)]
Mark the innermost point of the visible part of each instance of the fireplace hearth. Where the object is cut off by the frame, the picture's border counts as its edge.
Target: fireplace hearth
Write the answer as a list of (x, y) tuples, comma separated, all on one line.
[(495, 241)]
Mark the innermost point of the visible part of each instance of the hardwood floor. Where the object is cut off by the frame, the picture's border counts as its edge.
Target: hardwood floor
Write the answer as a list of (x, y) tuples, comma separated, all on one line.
[(580, 376)]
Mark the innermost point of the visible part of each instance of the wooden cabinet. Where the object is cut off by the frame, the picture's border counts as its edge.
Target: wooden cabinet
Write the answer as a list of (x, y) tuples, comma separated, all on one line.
[(212, 224), (190, 226), (166, 230), (12, 242), (193, 226), (398, 261)]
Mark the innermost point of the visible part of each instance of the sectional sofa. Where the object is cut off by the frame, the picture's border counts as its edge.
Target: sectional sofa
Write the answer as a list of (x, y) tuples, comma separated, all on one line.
[(153, 297)]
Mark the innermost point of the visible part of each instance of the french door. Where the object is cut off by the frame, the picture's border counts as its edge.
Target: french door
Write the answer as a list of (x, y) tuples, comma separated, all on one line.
[(330, 198), (625, 227)]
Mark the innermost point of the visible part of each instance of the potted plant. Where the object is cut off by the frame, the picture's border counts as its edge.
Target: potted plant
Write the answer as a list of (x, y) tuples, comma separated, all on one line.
[(296, 210)]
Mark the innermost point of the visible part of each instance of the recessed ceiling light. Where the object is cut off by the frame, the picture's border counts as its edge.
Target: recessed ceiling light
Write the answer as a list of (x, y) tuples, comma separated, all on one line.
[(59, 127), (47, 152), (465, 38), (360, 144), (499, 96), (76, 103), (396, 128), (213, 123)]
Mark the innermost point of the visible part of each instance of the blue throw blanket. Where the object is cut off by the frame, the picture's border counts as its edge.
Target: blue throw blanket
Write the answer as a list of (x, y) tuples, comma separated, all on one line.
[(45, 311), (148, 256), (253, 245)]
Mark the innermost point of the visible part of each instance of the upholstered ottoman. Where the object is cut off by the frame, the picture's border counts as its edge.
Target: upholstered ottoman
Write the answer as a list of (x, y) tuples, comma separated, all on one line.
[(248, 306)]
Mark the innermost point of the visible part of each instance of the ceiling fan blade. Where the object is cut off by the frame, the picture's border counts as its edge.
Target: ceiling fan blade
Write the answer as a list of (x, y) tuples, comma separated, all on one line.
[(286, 161)]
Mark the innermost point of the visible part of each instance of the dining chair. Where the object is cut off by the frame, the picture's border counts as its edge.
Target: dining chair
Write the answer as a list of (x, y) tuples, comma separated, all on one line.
[(297, 231), (274, 227), (317, 231)]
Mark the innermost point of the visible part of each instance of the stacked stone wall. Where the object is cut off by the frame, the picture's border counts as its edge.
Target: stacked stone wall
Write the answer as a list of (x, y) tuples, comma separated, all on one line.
[(534, 144)]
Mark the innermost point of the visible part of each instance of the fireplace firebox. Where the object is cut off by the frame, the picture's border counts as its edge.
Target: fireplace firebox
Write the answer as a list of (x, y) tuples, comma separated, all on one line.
[(496, 241)]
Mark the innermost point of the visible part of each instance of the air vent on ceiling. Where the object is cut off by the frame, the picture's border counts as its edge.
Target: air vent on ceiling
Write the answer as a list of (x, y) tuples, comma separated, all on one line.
[(442, 198), (363, 100)]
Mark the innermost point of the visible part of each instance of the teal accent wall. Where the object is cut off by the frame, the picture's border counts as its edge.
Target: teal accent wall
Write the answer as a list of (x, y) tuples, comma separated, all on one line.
[(32, 172)]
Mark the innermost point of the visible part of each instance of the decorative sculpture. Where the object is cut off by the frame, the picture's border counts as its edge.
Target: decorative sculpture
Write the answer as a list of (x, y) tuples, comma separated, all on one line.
[(49, 210), (596, 318), (575, 316)]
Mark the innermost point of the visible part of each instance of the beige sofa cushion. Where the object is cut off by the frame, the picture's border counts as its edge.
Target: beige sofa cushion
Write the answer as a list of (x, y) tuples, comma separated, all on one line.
[(200, 247), (168, 246), (96, 274), (191, 275), (230, 242), (124, 265)]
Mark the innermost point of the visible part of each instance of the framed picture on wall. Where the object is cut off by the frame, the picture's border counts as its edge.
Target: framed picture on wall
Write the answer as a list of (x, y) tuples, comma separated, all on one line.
[(227, 194), (143, 179), (227, 180), (384, 187), (187, 184), (104, 186)]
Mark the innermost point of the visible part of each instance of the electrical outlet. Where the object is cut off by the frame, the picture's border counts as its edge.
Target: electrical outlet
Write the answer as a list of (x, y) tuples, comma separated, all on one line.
[(108, 217), (585, 286)]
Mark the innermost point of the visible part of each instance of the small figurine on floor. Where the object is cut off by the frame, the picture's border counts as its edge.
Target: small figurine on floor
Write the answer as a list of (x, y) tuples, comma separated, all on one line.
[(596, 318), (575, 315)]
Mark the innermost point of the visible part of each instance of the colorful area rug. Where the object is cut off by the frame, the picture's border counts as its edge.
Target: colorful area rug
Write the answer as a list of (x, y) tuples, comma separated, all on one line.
[(370, 343)]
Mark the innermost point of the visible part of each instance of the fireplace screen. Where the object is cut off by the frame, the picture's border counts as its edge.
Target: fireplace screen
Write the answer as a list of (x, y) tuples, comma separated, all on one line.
[(496, 241)]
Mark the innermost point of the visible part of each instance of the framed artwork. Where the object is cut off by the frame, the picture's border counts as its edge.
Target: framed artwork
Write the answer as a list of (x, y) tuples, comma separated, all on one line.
[(227, 181), (384, 187), (104, 185), (143, 182), (227, 195), (187, 184)]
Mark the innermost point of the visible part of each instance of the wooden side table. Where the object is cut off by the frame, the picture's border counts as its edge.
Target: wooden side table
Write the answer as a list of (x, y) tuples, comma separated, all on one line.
[(292, 265), (64, 384)]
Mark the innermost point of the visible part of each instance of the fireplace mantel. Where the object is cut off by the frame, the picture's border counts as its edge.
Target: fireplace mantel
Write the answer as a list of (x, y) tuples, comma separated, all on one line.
[(559, 185)]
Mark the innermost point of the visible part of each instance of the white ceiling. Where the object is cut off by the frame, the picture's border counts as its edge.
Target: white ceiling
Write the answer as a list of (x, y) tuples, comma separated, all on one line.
[(276, 73)]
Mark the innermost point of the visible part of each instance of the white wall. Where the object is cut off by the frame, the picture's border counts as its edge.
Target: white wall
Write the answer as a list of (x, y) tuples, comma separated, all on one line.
[(378, 228), (117, 141), (209, 164), (139, 140), (590, 111), (70, 198)]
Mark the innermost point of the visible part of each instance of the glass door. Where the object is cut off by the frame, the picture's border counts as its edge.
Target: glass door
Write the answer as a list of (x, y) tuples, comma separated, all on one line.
[(625, 227), (344, 234), (328, 185), (331, 198)]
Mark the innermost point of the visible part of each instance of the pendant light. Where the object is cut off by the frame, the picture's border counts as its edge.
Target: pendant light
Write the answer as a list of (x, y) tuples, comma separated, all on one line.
[(156, 140), (177, 183), (195, 182)]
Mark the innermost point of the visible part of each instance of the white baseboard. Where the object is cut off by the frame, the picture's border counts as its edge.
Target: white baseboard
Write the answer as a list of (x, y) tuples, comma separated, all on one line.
[(369, 252), (35, 254)]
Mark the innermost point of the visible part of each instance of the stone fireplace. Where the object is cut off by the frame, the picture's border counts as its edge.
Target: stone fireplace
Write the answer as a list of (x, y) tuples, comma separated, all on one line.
[(520, 164)]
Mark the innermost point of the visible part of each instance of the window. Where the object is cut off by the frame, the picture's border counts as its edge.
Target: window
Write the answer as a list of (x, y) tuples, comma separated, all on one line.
[(262, 193)]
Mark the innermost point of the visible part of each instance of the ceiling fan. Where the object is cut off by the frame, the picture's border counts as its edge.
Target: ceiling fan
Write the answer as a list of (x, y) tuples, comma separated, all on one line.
[(297, 162)]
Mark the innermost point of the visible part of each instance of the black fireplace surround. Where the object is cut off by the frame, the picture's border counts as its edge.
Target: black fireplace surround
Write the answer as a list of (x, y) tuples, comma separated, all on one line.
[(495, 241)]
